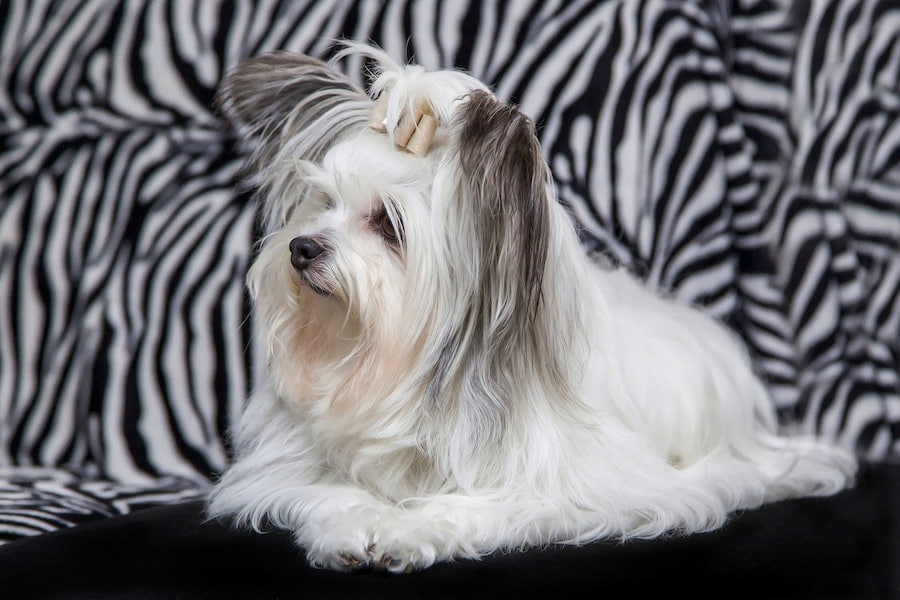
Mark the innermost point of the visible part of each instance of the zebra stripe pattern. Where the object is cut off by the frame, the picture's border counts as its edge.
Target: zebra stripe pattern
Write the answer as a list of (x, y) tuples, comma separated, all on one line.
[(837, 230), (39, 499), (739, 155)]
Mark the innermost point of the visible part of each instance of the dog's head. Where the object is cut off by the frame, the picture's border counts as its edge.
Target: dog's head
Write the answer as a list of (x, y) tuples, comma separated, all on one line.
[(408, 239)]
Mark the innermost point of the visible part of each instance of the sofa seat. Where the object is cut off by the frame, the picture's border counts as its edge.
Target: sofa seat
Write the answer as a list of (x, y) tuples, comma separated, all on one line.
[(845, 546)]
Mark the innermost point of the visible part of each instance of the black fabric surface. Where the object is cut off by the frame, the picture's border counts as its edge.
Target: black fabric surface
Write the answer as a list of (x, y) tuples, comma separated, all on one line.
[(840, 547)]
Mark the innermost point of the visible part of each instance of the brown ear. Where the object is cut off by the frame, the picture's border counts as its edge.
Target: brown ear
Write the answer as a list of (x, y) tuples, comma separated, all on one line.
[(288, 107), (503, 201), (271, 94), (507, 180)]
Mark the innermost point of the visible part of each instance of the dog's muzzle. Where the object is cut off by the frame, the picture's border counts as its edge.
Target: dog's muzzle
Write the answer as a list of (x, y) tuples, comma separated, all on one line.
[(304, 252)]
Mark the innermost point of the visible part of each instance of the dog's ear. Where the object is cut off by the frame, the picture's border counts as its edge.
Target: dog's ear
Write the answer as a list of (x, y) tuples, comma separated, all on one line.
[(271, 96), (506, 183), (288, 107), (503, 203)]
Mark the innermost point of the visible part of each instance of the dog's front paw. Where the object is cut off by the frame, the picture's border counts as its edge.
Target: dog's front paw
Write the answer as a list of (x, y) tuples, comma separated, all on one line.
[(341, 542), (343, 557), (406, 543), (351, 549), (403, 556), (384, 539)]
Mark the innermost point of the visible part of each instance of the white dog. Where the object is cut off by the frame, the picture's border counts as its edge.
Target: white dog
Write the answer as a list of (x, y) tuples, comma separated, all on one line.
[(449, 373)]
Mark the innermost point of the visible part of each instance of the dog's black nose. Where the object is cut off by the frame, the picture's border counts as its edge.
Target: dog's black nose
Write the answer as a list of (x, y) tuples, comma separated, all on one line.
[(304, 250)]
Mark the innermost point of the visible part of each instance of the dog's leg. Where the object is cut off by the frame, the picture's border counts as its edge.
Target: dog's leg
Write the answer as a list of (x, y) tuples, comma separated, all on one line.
[(335, 524), (421, 532), (345, 528)]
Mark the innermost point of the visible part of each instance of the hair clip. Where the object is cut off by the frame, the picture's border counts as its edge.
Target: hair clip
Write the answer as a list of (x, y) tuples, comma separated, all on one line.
[(414, 132)]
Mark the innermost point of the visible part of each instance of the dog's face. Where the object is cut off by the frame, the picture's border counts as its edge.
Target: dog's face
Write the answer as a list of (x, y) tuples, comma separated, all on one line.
[(346, 242), (388, 274)]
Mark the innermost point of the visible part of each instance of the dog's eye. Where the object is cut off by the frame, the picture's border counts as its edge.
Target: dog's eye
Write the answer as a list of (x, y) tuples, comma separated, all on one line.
[(386, 227)]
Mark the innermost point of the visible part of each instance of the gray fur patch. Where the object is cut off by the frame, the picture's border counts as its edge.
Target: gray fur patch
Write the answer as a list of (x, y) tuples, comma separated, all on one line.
[(505, 199), (504, 170), (262, 92)]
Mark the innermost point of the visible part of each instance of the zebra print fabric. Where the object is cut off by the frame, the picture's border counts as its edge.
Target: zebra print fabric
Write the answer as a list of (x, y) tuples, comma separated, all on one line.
[(836, 223), (36, 500), (743, 155)]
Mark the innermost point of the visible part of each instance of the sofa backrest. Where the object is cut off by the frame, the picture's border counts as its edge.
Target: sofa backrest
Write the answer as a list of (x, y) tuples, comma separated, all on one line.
[(125, 344)]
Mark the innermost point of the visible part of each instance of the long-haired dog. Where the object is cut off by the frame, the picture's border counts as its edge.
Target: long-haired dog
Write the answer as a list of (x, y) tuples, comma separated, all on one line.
[(449, 373)]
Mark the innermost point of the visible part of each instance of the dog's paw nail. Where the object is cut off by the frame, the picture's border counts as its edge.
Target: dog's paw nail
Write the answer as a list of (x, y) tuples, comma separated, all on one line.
[(350, 561), (395, 565), (388, 562)]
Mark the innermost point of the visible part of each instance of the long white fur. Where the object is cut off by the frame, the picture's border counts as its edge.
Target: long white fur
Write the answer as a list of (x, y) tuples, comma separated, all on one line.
[(648, 420)]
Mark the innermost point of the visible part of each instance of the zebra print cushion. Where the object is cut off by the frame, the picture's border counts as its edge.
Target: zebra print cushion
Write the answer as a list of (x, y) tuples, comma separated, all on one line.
[(40, 499), (741, 155)]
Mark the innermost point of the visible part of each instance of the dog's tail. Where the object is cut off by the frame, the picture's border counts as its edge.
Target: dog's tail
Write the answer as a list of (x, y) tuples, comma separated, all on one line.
[(774, 468), (801, 466)]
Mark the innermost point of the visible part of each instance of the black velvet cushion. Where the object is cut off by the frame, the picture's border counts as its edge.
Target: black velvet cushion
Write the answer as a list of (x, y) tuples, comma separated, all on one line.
[(841, 547)]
